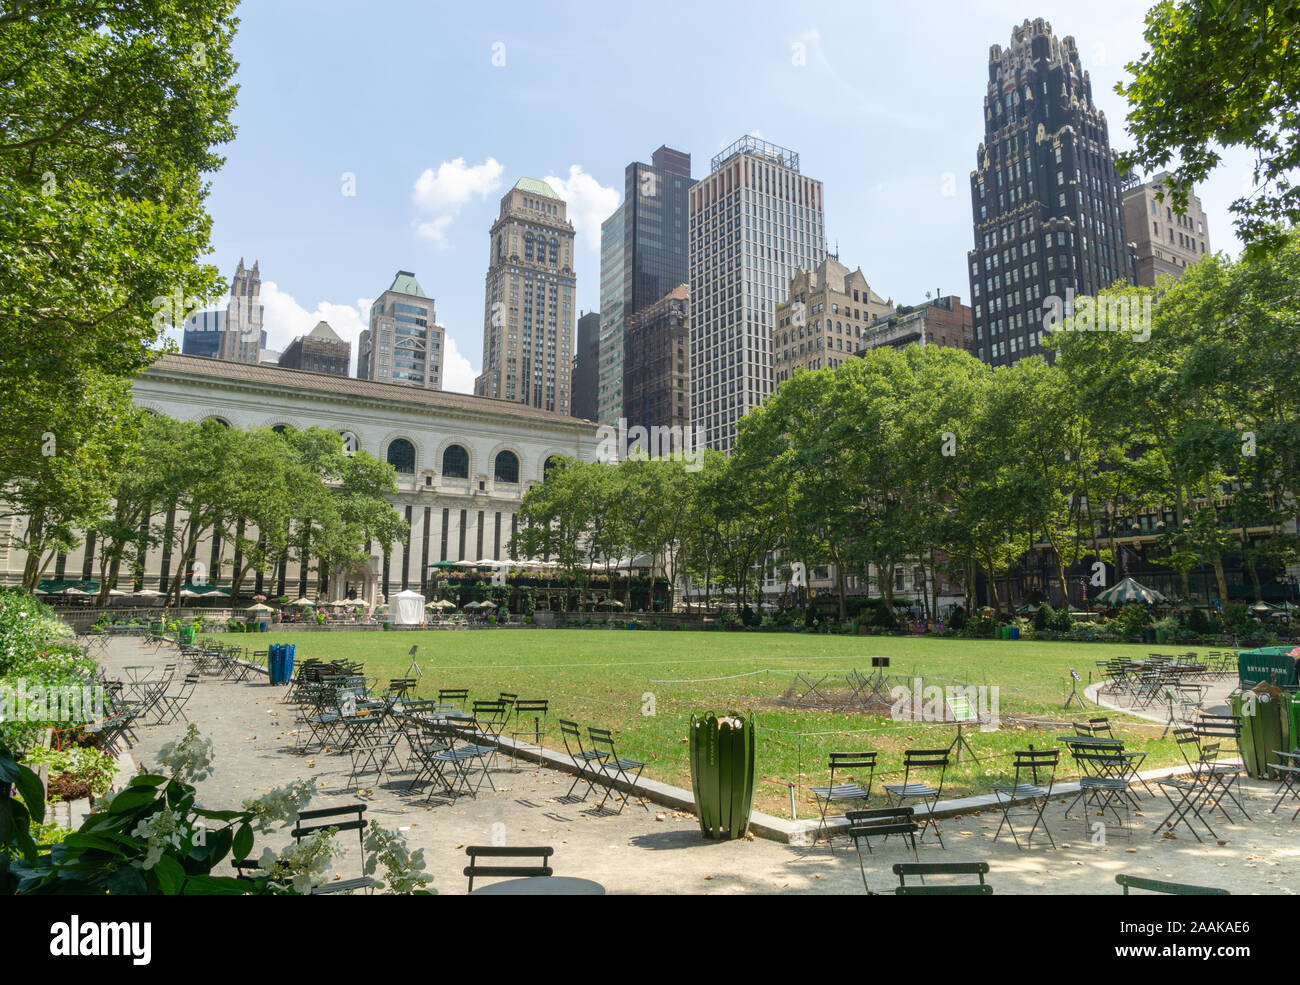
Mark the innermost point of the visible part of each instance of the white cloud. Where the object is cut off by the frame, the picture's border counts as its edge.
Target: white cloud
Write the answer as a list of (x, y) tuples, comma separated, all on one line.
[(457, 373), (590, 203), (439, 195)]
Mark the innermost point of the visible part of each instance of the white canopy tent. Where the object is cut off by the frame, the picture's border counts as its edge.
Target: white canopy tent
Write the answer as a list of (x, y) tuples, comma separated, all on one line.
[(407, 608)]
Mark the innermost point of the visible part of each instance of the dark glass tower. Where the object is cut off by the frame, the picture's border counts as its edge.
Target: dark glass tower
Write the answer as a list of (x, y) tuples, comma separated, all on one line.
[(1049, 218), (656, 228)]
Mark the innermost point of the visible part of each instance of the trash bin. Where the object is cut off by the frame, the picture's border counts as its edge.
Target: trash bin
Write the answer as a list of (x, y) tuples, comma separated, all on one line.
[(263, 625), (187, 634), (287, 667), (275, 663), (1263, 733), (1015, 632)]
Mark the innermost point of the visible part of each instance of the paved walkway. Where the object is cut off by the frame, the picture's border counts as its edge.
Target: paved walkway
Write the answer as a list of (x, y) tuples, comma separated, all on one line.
[(661, 851)]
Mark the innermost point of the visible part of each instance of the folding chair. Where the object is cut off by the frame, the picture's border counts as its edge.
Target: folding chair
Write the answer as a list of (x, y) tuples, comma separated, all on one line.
[(172, 706), (881, 823), (457, 694), (1028, 764), (586, 760), (923, 869), (538, 709), (357, 824), (1224, 778), (476, 871), (899, 793), (844, 792), (1288, 772), (811, 685), (1160, 886), (491, 717), (1094, 728), (370, 753), (1192, 792), (614, 769)]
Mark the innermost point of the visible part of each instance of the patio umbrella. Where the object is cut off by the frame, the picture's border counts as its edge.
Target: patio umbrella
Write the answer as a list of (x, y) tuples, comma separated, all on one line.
[(304, 602), (1262, 606), (441, 604), (117, 593), (187, 593), (466, 564), (1126, 591), (259, 608), (145, 593)]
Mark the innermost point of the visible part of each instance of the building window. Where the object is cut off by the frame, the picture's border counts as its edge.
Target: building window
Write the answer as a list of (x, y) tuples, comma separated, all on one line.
[(455, 463), (401, 456), (507, 467)]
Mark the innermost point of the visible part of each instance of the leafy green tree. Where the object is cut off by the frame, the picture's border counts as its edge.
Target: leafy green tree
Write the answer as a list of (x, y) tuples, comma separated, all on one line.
[(1221, 74), (108, 117)]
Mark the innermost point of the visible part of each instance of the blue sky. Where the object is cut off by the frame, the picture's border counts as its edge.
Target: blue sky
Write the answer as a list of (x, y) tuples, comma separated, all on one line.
[(436, 109)]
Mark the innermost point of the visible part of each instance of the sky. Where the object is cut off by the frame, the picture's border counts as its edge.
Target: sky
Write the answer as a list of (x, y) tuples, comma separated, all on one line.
[(379, 137)]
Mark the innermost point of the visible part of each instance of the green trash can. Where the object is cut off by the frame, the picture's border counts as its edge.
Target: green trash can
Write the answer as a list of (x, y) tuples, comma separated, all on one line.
[(187, 634), (1264, 732)]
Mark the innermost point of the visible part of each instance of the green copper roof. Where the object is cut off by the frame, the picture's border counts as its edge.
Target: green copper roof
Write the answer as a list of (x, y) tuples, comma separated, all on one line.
[(535, 187), (405, 283)]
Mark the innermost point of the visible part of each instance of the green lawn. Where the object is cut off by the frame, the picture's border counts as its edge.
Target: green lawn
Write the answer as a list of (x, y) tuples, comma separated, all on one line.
[(645, 684)]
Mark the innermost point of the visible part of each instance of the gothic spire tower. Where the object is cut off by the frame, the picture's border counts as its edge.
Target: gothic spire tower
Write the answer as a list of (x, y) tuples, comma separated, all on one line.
[(1045, 198), (241, 332)]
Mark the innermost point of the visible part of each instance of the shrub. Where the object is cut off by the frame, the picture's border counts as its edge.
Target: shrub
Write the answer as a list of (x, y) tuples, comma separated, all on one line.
[(1043, 617), (1130, 620)]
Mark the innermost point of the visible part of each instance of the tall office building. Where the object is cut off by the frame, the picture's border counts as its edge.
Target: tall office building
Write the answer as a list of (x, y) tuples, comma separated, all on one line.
[(1167, 243), (653, 259), (656, 368), (319, 351), (241, 333), (403, 343), (586, 366), (609, 376), (824, 314), (202, 335), (1045, 198), (528, 311), (753, 222)]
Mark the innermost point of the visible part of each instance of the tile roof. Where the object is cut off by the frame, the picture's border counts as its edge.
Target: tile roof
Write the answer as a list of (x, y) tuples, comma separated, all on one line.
[(304, 382)]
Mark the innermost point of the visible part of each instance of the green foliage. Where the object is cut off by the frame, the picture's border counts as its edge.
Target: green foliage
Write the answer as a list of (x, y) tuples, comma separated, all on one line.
[(1220, 75), (1130, 620), (74, 772), (110, 113), (36, 650)]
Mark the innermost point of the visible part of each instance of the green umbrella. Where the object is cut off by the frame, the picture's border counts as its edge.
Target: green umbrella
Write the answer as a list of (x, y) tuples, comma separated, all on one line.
[(1127, 591)]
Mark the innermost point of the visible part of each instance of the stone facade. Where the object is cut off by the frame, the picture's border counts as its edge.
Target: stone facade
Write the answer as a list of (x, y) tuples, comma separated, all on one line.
[(822, 321), (942, 321), (1167, 243), (465, 463), (656, 373)]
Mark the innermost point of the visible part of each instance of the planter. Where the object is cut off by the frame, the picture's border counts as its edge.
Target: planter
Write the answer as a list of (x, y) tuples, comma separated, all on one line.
[(722, 773)]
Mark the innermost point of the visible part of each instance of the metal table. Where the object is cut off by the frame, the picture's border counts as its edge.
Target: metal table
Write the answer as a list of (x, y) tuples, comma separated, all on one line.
[(542, 886)]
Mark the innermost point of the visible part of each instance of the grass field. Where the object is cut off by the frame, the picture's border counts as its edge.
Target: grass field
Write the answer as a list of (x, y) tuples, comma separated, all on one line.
[(645, 684)]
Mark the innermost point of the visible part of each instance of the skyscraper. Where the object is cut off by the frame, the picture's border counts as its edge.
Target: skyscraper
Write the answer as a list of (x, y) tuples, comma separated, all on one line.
[(1045, 199), (586, 366), (202, 335), (528, 311), (656, 370), (1166, 242), (404, 341), (753, 221), (241, 332), (609, 376), (654, 257)]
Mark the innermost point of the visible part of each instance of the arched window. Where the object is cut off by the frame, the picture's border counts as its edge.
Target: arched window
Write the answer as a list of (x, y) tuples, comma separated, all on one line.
[(507, 467), (401, 456), (350, 443), (455, 463), (279, 428), (555, 251), (218, 420), (528, 246), (551, 463)]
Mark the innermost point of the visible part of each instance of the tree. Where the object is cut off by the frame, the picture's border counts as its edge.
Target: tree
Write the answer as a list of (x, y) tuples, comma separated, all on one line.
[(108, 116), (1221, 74)]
